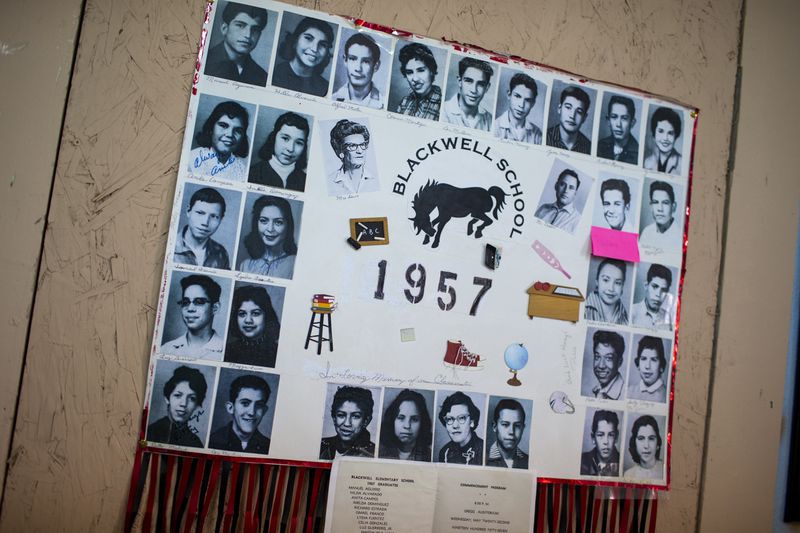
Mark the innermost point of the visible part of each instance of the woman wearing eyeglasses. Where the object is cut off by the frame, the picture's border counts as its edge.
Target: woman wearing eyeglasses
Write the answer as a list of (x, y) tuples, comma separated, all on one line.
[(460, 417), (350, 141)]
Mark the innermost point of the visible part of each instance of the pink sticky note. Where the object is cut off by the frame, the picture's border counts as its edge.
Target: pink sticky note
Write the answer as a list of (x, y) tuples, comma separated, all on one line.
[(615, 244)]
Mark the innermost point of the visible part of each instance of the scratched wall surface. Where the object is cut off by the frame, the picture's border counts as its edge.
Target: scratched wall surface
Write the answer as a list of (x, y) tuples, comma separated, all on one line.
[(37, 40), (764, 197), (85, 376)]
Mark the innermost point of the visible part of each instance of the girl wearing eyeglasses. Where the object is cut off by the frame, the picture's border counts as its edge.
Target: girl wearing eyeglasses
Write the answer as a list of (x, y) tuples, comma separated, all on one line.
[(460, 417)]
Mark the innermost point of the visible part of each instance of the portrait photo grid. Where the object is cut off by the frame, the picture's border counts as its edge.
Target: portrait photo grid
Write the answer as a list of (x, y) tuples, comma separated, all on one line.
[(257, 158), (442, 426)]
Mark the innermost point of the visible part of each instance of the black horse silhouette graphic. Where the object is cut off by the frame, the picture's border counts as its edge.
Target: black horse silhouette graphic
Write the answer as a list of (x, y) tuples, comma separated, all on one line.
[(454, 202)]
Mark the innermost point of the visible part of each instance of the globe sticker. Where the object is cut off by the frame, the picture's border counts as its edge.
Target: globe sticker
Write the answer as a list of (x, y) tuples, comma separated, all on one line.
[(516, 357)]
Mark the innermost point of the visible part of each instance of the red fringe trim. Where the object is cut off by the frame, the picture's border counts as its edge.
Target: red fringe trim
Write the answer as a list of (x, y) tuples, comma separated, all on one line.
[(258, 497), (186, 494)]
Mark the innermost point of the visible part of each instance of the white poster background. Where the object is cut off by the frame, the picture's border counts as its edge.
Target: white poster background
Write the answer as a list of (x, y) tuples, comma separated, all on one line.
[(409, 153)]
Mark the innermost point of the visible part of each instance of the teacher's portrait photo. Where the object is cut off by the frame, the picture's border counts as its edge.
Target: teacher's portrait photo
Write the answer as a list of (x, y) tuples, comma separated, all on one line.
[(564, 197), (350, 163)]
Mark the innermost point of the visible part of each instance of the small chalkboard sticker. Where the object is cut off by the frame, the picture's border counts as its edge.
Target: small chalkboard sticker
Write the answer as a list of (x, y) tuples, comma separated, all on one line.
[(370, 231)]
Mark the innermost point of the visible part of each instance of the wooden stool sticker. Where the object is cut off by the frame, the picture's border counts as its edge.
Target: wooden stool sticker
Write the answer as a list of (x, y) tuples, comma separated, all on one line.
[(322, 307), (548, 300)]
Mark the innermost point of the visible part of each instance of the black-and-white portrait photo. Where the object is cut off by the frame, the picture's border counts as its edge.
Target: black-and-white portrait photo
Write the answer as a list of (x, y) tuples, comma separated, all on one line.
[(654, 296), (662, 215), (418, 72), (564, 197), (619, 128), (254, 326), (662, 154), (350, 163), (349, 422), (207, 226), (178, 415), (616, 203), (649, 371), (363, 63), (508, 434), (457, 436), (221, 142), (243, 411), (269, 236), (303, 58), (281, 147), (569, 122), (520, 107), (608, 292), (646, 447), (605, 356), (241, 43), (407, 425), (195, 314), (601, 440), (471, 84)]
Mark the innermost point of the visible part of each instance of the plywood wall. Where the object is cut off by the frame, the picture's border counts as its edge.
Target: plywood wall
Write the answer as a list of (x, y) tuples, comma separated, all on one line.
[(759, 267), (35, 68), (85, 376)]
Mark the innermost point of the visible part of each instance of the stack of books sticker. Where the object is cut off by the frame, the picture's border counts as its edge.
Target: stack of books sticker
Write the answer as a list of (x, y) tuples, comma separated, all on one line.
[(323, 303)]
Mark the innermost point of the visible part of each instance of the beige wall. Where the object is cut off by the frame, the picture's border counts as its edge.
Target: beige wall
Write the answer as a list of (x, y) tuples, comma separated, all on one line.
[(85, 376), (37, 41), (758, 276)]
